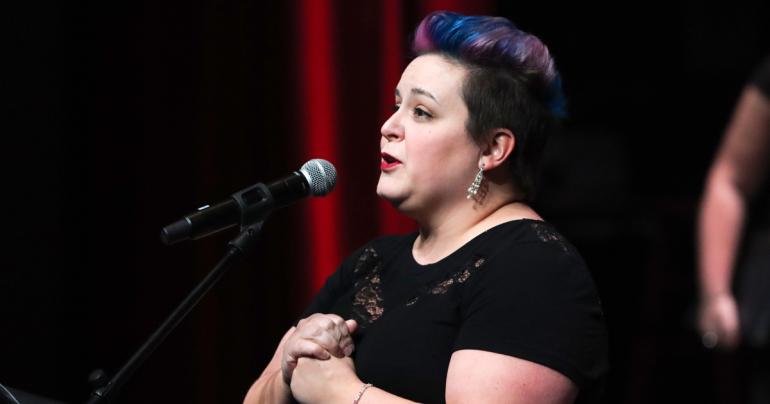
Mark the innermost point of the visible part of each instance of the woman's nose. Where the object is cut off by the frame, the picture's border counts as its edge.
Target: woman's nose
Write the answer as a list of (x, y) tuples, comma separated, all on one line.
[(392, 130)]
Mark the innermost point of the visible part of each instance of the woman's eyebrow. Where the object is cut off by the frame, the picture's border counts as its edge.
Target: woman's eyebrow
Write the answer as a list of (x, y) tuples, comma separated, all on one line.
[(420, 91)]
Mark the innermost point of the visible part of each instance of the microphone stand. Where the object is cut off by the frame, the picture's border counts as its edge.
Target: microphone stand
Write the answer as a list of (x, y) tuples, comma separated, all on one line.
[(106, 391)]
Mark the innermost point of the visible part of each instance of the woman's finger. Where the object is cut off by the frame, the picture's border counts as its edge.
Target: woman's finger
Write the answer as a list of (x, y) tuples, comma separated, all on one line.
[(308, 348)]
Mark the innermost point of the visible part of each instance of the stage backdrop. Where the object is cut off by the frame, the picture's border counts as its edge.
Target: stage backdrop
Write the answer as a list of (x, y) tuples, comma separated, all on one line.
[(126, 115)]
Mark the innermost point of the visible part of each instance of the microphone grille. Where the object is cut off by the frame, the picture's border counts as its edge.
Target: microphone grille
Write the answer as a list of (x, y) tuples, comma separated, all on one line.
[(320, 175)]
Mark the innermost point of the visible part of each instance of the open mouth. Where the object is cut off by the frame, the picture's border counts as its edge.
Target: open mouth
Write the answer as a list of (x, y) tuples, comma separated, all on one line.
[(388, 161)]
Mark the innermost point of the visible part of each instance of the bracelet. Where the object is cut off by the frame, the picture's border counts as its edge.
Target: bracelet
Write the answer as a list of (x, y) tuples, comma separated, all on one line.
[(361, 392)]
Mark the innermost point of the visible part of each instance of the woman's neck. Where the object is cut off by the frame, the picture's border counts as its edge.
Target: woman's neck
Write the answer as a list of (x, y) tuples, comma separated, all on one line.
[(445, 231)]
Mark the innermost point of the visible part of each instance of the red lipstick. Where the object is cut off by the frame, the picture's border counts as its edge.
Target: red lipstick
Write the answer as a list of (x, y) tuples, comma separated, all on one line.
[(388, 162)]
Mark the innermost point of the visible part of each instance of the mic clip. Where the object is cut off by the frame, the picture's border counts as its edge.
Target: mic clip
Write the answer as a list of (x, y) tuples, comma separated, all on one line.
[(255, 203)]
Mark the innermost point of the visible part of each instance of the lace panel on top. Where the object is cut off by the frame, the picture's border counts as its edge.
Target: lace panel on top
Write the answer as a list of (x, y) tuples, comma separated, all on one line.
[(367, 300), (546, 234), (443, 285)]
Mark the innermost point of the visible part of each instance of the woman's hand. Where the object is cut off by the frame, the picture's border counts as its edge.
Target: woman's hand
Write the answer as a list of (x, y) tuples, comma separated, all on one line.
[(320, 336), (719, 322), (325, 381)]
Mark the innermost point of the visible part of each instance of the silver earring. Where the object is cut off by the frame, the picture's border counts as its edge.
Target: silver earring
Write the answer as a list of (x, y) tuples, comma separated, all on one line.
[(473, 190)]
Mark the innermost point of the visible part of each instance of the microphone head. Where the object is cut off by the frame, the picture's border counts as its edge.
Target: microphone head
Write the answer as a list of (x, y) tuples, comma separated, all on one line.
[(320, 175)]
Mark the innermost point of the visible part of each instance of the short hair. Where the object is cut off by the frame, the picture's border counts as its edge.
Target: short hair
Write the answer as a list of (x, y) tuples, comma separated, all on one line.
[(512, 83)]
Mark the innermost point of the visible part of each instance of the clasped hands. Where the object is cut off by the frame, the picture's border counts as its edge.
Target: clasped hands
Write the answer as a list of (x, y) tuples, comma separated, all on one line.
[(316, 362)]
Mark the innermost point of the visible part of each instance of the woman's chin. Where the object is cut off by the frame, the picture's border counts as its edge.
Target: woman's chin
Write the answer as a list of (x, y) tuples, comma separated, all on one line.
[(402, 204), (393, 199)]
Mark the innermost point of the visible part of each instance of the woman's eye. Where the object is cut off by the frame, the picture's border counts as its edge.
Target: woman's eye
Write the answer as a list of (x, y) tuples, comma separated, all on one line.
[(421, 113)]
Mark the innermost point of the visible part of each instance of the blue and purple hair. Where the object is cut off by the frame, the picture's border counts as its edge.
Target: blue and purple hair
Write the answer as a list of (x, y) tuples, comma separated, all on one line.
[(512, 83)]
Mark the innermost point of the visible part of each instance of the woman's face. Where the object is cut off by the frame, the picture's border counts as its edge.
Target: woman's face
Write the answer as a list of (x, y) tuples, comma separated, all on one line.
[(428, 158)]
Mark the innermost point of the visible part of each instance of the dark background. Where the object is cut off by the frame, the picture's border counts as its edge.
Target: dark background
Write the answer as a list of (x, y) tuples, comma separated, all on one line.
[(124, 115)]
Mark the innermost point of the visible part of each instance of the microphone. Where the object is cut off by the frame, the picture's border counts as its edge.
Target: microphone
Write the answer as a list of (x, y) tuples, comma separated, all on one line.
[(250, 205)]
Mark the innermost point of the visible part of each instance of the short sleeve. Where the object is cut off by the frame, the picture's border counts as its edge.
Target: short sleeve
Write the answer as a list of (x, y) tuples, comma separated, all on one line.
[(761, 77), (537, 302)]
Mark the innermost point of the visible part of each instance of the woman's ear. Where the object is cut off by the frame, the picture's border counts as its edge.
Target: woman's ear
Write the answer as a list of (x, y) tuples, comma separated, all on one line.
[(498, 148)]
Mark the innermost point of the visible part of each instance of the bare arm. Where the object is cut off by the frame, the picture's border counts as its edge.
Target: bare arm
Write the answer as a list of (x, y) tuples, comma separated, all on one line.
[(485, 377), (319, 336), (270, 386), (474, 377), (734, 176)]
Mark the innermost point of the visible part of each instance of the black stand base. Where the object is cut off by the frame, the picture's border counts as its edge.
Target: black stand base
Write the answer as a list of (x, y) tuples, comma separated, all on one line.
[(14, 396)]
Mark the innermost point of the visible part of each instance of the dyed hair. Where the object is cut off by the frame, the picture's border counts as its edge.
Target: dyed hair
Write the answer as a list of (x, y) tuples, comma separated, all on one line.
[(511, 83)]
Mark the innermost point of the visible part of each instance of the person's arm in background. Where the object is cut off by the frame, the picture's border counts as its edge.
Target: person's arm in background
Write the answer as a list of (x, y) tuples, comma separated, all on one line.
[(734, 176)]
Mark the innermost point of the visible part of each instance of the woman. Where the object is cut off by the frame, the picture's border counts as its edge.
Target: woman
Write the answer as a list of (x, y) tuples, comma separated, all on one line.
[(486, 303)]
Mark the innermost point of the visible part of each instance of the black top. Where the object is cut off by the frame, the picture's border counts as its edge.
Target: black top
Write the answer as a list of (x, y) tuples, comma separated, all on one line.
[(759, 205), (752, 282), (517, 289), (761, 77)]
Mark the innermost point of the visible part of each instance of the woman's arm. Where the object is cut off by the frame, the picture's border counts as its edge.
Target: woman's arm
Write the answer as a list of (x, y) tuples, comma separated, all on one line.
[(334, 381), (474, 377), (485, 377), (270, 386), (734, 176), (319, 336)]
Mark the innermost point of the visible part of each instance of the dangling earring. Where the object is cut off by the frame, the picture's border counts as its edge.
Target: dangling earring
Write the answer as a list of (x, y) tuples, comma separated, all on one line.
[(473, 190)]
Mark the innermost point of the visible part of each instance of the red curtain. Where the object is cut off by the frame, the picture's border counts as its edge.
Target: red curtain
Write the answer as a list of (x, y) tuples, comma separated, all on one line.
[(340, 44), (319, 129)]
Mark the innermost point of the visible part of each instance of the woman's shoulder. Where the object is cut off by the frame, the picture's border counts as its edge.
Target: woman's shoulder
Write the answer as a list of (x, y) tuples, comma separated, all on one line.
[(535, 298), (533, 253), (524, 235)]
